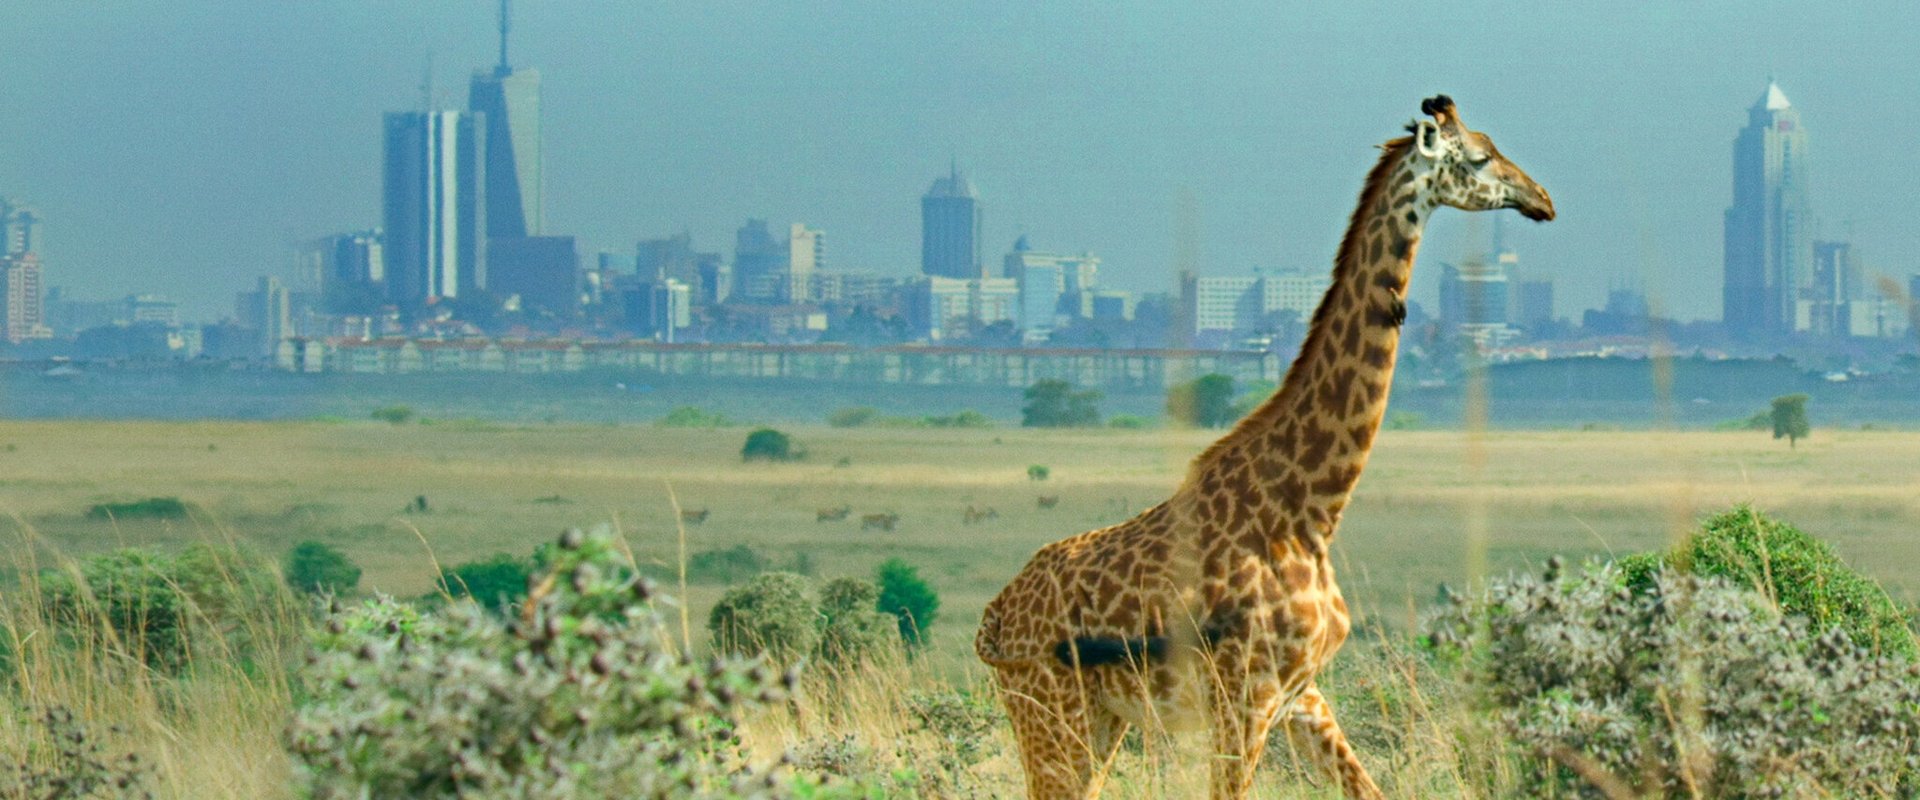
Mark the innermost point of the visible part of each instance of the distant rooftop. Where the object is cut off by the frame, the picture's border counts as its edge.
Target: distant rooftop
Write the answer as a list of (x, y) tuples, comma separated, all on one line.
[(954, 185), (1775, 100)]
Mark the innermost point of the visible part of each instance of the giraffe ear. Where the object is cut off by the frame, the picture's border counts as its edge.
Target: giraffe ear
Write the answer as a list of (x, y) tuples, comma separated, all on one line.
[(1426, 139)]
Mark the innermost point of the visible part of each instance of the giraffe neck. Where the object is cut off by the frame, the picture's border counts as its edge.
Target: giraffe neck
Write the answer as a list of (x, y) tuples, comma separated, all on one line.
[(1304, 448)]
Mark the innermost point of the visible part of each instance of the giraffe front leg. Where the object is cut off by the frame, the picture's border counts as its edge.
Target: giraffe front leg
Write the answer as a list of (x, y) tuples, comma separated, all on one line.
[(1315, 734)]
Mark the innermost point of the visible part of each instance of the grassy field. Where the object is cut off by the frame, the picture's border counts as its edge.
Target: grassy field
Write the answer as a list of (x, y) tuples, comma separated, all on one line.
[(1434, 507)]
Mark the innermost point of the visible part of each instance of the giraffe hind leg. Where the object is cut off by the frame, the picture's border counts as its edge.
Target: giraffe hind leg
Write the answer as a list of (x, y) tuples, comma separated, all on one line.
[(1315, 734), (1066, 743)]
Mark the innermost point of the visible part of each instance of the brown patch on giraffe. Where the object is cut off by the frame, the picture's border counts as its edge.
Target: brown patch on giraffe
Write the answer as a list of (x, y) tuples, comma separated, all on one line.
[(1339, 480), (1291, 491), (1376, 356), (1317, 442), (1362, 434)]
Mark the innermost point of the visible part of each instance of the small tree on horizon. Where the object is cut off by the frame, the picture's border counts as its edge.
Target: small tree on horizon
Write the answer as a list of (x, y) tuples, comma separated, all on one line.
[(1790, 418), (1204, 402), (767, 444), (1053, 403)]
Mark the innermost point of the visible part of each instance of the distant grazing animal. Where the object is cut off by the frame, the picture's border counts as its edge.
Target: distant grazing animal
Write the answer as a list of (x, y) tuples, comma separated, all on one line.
[(692, 516), (1047, 500), (1218, 607), (832, 514), (973, 515), (884, 522)]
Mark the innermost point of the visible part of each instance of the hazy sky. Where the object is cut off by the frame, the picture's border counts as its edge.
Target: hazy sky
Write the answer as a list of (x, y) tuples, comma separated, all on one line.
[(183, 147)]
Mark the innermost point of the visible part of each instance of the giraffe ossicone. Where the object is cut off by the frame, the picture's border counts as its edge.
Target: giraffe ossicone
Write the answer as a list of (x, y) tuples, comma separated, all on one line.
[(1217, 607)]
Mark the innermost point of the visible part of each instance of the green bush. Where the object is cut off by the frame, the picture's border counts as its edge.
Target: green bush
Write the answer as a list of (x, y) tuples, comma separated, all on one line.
[(318, 568), (966, 418), (393, 414), (150, 508), (852, 628), (1798, 572), (164, 609), (774, 613), (694, 417), (1038, 472), (1204, 402), (493, 582), (767, 444), (1127, 422), (1052, 403), (736, 563), (780, 614), (905, 595), (1690, 686), (1403, 420), (586, 699), (854, 417)]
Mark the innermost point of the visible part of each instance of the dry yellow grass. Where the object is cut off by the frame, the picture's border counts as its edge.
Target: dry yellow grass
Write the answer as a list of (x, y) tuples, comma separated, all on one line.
[(494, 488)]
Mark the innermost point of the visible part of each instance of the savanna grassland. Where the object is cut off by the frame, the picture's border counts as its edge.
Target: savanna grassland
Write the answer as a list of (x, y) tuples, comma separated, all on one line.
[(1434, 508)]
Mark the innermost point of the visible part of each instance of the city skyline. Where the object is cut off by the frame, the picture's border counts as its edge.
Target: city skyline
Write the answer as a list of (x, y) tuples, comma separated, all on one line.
[(820, 134)]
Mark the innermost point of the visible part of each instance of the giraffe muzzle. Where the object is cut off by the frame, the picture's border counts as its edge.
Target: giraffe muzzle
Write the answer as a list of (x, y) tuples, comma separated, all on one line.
[(1533, 203)]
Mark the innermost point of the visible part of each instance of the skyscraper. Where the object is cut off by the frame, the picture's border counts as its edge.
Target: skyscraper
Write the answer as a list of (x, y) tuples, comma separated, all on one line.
[(22, 313), (509, 99), (22, 316), (1768, 228), (950, 229), (758, 261), (806, 256), (17, 224), (434, 189)]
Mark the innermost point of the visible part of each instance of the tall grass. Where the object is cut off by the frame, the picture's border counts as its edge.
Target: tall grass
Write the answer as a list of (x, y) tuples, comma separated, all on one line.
[(209, 728), (213, 723)]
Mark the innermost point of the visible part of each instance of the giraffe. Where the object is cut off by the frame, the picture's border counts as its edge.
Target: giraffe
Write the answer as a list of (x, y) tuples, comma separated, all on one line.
[(1216, 608)]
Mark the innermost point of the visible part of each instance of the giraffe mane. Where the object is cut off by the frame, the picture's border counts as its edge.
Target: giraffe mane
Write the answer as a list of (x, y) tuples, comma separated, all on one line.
[(1344, 263)]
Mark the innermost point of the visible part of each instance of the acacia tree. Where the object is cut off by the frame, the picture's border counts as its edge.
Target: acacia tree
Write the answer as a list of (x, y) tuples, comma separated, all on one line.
[(1790, 418)]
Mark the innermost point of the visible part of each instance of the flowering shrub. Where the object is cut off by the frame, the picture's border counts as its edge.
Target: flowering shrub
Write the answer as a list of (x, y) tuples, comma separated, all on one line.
[(581, 695), (72, 763), (1688, 686)]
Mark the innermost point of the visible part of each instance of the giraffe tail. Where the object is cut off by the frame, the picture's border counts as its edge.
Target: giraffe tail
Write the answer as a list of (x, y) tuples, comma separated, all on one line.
[(1087, 651)]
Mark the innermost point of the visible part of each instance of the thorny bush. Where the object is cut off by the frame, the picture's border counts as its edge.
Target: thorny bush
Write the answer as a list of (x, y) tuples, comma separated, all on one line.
[(583, 695), (1690, 686)]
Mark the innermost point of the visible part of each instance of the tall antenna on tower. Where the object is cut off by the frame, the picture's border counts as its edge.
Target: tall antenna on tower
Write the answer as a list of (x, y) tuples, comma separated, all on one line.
[(505, 14)]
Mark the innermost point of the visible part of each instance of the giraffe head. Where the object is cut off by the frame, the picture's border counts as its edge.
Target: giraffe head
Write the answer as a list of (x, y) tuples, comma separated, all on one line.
[(1467, 171)]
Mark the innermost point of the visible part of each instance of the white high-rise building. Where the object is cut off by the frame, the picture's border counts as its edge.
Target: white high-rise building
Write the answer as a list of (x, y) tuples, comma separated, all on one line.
[(806, 255), (1241, 303)]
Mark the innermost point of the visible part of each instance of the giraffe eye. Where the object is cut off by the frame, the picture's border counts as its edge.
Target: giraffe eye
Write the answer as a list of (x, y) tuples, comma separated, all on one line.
[(1477, 163)]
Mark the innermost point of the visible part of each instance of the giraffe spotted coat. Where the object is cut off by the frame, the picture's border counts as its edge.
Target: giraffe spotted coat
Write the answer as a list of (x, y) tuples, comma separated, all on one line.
[(1215, 609)]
